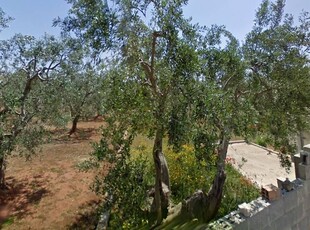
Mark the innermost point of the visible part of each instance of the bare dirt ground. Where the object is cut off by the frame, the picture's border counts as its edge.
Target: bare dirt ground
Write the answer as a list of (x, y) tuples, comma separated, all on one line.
[(49, 192)]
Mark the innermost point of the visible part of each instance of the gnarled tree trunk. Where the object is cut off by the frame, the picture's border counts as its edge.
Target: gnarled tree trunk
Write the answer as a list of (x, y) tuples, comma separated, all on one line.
[(201, 205), (164, 171), (2, 167), (2, 173), (205, 206), (74, 124), (162, 182)]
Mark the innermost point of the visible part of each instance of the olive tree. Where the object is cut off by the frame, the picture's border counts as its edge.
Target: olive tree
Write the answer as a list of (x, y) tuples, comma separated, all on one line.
[(27, 68), (154, 45), (166, 76), (81, 83), (171, 78), (276, 54)]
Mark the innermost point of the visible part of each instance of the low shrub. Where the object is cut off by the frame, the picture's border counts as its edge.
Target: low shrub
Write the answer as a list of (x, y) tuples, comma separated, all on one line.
[(237, 189), (262, 140), (129, 184), (187, 175), (129, 181)]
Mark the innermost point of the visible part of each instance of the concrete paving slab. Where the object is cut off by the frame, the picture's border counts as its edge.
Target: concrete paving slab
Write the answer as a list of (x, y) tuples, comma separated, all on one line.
[(258, 164)]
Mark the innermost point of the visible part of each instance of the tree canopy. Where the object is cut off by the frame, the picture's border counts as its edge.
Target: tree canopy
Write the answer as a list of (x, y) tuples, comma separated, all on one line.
[(156, 73), (26, 99)]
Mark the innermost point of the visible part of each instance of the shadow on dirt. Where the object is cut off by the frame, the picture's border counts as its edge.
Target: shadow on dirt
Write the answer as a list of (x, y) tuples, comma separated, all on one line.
[(81, 134), (87, 218), (19, 196)]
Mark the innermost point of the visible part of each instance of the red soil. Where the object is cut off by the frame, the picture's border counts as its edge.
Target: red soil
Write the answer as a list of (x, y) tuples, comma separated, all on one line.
[(49, 192)]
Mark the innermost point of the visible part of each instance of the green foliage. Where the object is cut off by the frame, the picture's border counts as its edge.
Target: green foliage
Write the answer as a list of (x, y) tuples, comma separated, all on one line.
[(168, 76), (237, 190), (186, 173), (94, 18), (4, 20), (81, 89), (7, 222), (30, 139), (263, 140), (277, 60), (27, 68), (129, 183), (142, 145), (125, 185)]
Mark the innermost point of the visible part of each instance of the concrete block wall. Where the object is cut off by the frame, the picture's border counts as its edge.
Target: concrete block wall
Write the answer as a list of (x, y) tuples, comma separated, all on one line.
[(291, 211)]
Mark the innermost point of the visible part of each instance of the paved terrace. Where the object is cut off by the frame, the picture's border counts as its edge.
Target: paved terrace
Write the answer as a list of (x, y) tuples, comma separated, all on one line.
[(258, 164)]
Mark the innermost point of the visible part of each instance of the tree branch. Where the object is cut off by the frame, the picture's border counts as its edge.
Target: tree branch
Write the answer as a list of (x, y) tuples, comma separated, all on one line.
[(149, 69), (226, 83), (156, 34), (152, 67), (35, 63), (149, 74), (27, 87)]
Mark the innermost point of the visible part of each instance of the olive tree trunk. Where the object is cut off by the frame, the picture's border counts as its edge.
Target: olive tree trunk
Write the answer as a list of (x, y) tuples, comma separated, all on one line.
[(205, 206), (201, 205), (2, 173), (162, 182), (74, 124)]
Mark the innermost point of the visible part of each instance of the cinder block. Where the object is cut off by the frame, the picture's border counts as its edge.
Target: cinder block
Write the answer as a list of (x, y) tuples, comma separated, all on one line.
[(270, 192), (307, 188), (297, 160), (260, 220), (283, 223), (295, 215), (301, 196), (304, 171), (305, 157), (290, 200), (244, 225), (245, 209), (303, 224), (276, 210), (306, 148)]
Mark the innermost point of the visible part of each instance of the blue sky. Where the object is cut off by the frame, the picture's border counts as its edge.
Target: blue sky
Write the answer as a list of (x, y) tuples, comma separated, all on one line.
[(34, 17)]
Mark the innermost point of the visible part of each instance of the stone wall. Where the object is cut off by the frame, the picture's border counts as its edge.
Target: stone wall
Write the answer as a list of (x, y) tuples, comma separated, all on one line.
[(302, 139), (289, 209)]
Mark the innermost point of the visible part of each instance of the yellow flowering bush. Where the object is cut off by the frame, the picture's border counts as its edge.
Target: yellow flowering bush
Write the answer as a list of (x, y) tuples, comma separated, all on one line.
[(186, 173)]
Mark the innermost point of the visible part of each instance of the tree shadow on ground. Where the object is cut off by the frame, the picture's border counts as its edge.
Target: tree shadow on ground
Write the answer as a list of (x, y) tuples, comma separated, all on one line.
[(87, 218), (81, 134), (20, 195)]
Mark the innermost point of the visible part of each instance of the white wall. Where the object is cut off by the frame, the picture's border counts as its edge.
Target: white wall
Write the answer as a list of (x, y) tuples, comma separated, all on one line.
[(290, 212)]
